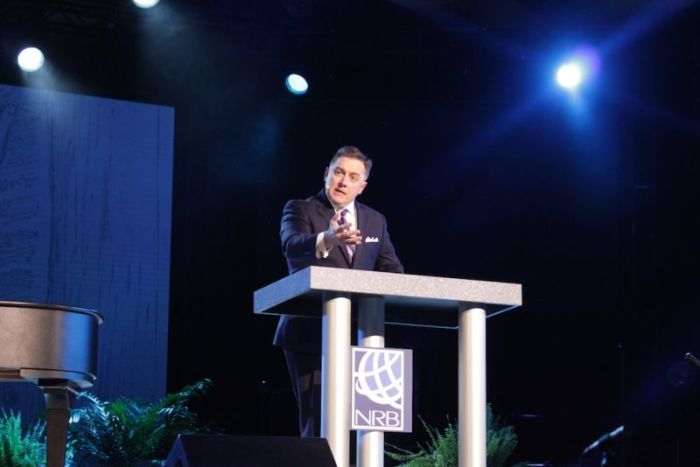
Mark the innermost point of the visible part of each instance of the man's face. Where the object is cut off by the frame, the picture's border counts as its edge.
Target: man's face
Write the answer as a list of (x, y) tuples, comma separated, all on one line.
[(345, 179)]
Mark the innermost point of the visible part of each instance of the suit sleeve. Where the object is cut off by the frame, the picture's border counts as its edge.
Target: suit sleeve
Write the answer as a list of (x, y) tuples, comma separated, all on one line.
[(298, 240), (387, 261)]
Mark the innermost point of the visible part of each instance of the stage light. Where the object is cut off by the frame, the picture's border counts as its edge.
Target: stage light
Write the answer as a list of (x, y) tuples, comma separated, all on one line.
[(580, 67), (570, 75), (30, 59), (145, 3), (296, 84)]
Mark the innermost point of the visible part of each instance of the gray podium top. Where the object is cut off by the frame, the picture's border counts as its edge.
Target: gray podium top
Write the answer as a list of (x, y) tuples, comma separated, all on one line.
[(410, 299)]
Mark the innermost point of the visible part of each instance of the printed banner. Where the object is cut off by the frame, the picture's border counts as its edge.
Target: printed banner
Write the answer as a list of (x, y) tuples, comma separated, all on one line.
[(382, 389)]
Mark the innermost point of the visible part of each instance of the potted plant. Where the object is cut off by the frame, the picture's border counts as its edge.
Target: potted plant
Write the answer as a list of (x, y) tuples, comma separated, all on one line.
[(127, 432), (18, 447), (442, 446)]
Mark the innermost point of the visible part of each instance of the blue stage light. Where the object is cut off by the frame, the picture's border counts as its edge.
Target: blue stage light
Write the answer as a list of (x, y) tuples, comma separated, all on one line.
[(30, 59), (145, 3), (569, 75), (580, 67), (296, 84)]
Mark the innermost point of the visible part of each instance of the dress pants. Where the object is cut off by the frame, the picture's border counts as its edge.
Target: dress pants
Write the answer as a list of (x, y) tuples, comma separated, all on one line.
[(305, 374)]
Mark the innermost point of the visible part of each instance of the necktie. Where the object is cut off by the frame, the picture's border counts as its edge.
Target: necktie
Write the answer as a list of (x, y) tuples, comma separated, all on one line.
[(344, 220)]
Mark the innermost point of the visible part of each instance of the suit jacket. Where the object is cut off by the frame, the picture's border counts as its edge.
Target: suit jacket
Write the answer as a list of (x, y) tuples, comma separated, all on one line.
[(302, 221)]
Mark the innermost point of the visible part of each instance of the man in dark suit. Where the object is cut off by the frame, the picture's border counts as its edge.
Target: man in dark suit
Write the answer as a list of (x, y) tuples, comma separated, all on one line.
[(330, 229)]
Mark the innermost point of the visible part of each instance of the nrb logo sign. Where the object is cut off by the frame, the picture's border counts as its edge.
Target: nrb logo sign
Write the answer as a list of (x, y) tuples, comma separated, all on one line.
[(382, 389)]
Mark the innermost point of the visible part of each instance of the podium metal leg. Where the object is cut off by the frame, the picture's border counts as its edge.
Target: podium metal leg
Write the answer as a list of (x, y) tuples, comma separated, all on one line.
[(370, 333), (472, 387), (335, 385)]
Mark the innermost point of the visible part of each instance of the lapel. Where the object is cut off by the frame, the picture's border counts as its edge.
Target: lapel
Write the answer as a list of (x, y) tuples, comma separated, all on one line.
[(361, 221), (326, 211)]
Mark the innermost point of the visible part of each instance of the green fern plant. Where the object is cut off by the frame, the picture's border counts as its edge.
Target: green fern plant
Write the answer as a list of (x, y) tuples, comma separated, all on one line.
[(126, 432), (19, 448), (501, 440), (442, 446)]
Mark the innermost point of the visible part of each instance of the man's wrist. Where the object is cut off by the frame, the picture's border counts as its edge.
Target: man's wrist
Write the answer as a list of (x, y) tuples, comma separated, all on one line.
[(327, 242), (322, 250)]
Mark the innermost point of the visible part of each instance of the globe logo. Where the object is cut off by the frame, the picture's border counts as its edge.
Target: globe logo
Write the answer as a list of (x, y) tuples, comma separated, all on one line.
[(379, 377)]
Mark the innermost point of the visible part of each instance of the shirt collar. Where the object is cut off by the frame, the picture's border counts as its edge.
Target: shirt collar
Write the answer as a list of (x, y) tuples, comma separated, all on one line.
[(351, 209)]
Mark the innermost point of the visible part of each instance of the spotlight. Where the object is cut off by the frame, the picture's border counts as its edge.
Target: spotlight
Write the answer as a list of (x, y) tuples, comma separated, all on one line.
[(30, 59), (580, 67), (570, 75), (145, 3), (296, 84)]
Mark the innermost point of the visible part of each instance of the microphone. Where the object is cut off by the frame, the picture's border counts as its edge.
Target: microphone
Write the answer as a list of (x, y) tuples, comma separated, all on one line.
[(691, 358), (605, 440)]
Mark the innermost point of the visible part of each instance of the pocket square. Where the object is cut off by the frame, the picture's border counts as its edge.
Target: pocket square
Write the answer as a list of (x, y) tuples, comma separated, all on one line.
[(371, 239)]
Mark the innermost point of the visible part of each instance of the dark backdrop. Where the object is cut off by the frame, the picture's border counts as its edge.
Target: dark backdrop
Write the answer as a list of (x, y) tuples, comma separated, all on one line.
[(483, 169)]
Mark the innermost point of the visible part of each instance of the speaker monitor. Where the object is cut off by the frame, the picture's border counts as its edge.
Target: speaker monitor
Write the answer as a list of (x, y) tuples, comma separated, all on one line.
[(249, 451)]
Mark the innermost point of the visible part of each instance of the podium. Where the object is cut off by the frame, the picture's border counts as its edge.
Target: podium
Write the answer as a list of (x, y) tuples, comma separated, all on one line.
[(378, 298)]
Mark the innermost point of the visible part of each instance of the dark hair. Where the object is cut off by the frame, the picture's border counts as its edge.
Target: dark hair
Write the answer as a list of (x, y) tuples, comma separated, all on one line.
[(353, 153)]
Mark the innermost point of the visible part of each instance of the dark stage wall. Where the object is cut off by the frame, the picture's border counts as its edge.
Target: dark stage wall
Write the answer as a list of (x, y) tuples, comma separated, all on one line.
[(555, 200), (521, 211)]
